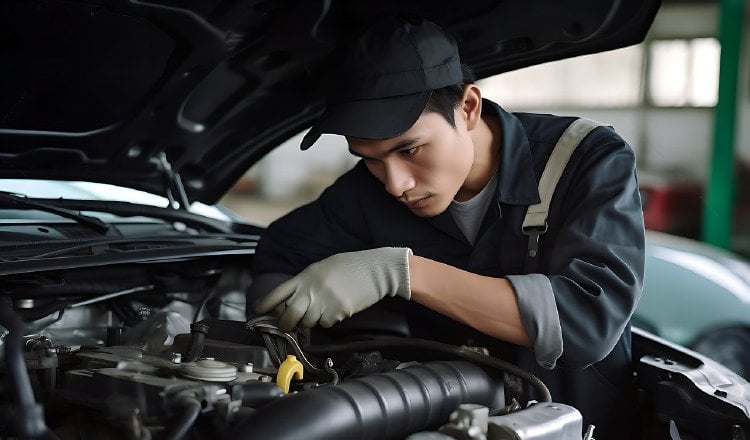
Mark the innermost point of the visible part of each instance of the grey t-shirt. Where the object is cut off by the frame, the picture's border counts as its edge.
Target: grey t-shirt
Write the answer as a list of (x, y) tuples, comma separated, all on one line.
[(469, 214)]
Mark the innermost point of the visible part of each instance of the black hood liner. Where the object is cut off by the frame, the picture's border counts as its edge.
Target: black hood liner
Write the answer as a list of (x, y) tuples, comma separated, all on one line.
[(99, 90)]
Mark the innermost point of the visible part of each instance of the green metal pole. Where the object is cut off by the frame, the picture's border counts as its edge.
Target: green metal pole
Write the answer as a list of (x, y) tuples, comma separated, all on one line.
[(717, 210)]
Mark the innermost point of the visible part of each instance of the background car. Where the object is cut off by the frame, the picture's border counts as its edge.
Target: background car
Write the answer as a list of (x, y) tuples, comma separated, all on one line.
[(698, 296)]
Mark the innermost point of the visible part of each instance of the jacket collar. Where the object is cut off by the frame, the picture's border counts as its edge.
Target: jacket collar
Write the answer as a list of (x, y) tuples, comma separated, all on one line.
[(517, 182)]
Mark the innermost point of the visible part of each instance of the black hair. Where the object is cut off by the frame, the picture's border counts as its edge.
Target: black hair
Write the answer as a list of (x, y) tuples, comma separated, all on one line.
[(445, 100)]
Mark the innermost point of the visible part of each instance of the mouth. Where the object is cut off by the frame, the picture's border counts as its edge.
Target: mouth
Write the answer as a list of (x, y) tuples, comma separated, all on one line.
[(416, 204)]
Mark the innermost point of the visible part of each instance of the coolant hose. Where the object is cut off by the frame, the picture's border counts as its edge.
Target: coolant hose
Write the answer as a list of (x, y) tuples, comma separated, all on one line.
[(254, 393), (380, 406), (198, 334)]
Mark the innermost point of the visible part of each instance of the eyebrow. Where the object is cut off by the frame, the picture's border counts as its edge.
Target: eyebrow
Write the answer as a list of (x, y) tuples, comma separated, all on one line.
[(402, 144)]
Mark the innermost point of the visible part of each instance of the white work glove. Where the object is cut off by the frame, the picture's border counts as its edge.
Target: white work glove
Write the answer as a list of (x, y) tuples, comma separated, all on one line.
[(339, 286)]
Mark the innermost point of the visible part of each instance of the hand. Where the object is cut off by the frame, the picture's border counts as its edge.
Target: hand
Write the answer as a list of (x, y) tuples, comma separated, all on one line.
[(339, 286)]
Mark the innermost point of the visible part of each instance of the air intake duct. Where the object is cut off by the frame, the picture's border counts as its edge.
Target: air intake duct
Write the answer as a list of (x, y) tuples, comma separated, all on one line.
[(380, 406)]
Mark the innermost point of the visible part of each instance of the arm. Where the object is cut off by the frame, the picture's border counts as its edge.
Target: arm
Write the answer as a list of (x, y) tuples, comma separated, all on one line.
[(593, 252), (492, 307)]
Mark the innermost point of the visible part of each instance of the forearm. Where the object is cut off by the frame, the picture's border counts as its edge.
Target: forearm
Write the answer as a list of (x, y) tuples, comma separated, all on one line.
[(485, 303)]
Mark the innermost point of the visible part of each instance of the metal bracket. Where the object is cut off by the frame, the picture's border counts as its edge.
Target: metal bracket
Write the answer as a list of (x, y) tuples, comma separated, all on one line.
[(532, 251)]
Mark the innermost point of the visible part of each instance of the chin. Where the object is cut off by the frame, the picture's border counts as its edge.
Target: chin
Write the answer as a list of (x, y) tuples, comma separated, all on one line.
[(431, 211)]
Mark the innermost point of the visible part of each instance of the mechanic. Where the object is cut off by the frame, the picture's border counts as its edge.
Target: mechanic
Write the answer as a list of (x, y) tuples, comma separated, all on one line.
[(423, 236)]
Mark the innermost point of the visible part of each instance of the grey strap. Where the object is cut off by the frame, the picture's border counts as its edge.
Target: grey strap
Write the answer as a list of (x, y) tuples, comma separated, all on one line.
[(535, 222)]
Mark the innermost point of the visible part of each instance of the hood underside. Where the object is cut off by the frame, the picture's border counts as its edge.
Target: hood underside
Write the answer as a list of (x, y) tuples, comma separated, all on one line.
[(121, 91)]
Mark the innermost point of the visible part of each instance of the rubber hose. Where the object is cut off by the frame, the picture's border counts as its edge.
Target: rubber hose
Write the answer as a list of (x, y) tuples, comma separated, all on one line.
[(197, 342), (437, 347), (254, 394)]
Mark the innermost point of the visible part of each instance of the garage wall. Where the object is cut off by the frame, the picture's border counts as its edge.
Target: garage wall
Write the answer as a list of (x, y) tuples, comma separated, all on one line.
[(663, 138)]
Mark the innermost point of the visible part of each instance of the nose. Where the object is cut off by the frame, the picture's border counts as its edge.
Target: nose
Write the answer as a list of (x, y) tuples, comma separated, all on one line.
[(398, 179)]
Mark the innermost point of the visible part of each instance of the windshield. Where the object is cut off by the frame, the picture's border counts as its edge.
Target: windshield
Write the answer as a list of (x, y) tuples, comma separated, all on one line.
[(54, 189)]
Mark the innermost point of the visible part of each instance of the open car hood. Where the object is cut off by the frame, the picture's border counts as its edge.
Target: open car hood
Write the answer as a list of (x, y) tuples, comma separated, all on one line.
[(128, 91)]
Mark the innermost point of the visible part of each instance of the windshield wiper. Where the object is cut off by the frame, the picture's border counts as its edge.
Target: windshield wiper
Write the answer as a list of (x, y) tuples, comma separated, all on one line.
[(16, 201), (108, 245)]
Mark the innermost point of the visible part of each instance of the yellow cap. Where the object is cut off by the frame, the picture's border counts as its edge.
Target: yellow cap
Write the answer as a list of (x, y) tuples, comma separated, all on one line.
[(289, 369)]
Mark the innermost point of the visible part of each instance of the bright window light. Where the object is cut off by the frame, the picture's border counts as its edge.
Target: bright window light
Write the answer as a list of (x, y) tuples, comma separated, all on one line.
[(607, 79), (684, 72)]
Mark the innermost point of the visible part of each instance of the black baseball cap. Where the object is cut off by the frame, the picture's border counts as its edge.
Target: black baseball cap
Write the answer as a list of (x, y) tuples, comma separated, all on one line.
[(384, 84)]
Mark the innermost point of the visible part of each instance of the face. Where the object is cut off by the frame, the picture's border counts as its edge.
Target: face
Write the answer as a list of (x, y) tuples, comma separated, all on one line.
[(425, 167)]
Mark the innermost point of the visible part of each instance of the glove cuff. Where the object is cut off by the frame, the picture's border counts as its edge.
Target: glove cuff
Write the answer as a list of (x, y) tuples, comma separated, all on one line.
[(401, 269)]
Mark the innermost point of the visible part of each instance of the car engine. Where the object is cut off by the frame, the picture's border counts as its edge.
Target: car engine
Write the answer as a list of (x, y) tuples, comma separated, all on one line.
[(244, 379), (165, 352)]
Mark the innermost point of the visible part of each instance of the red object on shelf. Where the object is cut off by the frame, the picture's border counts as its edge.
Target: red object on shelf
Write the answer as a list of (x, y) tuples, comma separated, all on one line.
[(672, 206)]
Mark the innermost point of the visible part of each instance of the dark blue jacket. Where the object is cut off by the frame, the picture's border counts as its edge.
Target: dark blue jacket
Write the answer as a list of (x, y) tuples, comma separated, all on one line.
[(592, 253)]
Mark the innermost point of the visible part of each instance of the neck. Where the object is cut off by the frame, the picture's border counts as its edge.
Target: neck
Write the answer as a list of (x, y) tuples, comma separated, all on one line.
[(486, 138)]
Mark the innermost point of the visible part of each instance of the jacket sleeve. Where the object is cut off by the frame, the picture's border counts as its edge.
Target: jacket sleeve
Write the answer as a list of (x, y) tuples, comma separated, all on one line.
[(594, 253)]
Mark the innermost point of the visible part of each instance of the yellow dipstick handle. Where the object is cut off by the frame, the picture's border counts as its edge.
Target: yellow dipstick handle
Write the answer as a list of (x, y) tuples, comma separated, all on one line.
[(290, 368)]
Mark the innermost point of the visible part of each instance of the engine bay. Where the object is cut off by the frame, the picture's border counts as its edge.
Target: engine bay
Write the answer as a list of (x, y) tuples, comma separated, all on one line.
[(161, 349), (237, 379)]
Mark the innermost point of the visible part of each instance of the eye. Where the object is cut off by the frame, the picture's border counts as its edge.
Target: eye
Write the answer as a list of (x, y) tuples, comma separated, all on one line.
[(408, 151)]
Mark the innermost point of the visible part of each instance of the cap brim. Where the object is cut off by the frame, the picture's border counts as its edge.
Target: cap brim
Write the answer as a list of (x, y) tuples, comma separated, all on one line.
[(369, 119)]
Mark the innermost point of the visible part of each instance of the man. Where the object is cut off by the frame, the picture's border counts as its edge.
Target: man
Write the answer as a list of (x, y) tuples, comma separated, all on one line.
[(424, 235)]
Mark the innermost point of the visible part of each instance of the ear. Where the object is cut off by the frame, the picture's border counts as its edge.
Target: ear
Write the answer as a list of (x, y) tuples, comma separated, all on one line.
[(471, 106)]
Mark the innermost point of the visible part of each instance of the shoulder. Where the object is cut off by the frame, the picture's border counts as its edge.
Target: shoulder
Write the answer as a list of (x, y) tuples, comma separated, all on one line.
[(345, 191), (544, 131), (543, 127), (547, 128), (352, 188)]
